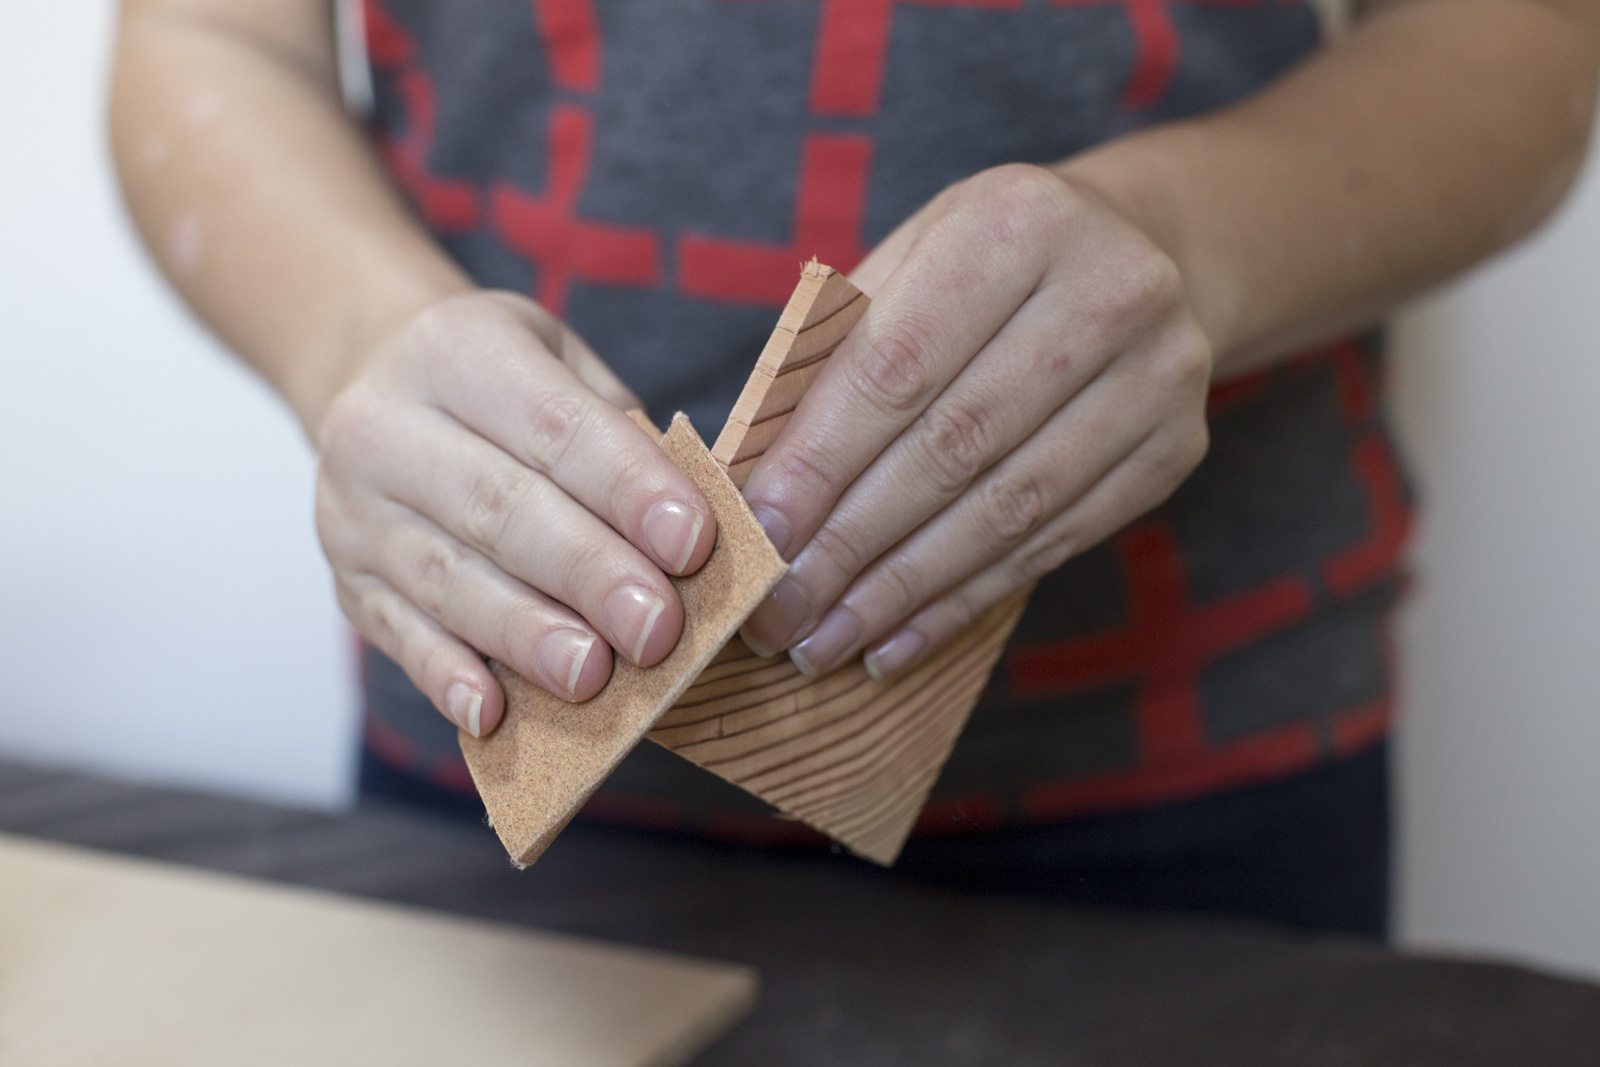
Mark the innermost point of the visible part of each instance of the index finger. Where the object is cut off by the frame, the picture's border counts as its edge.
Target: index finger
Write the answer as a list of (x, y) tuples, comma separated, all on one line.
[(538, 411), (961, 281)]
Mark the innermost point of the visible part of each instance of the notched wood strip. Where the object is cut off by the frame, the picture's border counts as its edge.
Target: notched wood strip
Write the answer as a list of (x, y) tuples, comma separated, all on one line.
[(851, 757)]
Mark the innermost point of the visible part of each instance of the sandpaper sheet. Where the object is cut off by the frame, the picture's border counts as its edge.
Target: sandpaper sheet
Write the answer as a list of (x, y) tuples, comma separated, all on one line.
[(548, 756)]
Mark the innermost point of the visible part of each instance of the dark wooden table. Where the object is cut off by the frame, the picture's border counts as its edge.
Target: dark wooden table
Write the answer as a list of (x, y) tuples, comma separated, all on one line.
[(861, 969)]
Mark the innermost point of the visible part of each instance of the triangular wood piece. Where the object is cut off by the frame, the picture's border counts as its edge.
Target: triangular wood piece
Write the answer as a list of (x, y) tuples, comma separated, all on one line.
[(851, 757), (548, 756)]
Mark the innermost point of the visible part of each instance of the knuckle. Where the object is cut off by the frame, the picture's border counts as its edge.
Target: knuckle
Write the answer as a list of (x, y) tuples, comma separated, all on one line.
[(1196, 444), (440, 327), (492, 504), (351, 427), (1149, 280), (375, 616), (1024, 184), (1041, 556), (1184, 365), (899, 589), (434, 574), (433, 663), (1028, 196), (522, 624), (1010, 508), (960, 611), (363, 619), (536, 317), (814, 477), (1176, 460), (332, 523), (895, 370), (554, 424), (840, 549), (639, 474), (956, 442)]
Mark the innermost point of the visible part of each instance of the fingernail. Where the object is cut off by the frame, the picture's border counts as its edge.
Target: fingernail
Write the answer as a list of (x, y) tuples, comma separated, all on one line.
[(769, 629), (775, 527), (672, 529), (465, 705), (834, 636), (562, 655), (895, 653), (631, 613)]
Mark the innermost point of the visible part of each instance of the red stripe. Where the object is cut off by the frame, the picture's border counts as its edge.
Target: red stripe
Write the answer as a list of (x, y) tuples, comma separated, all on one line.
[(388, 45), (1156, 53), (546, 229), (830, 206), (1361, 728), (390, 745), (1167, 637), (450, 772), (1388, 518), (1156, 46), (853, 49), (852, 46), (447, 206), (960, 814), (647, 812), (1358, 398), (1260, 758), (1230, 394), (571, 36)]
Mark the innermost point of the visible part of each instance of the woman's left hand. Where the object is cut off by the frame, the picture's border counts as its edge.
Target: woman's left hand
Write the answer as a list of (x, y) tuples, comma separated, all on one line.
[(1029, 379)]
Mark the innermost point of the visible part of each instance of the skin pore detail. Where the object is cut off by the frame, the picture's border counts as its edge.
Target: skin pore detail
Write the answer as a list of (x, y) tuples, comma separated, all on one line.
[(186, 242), (155, 150), (202, 109)]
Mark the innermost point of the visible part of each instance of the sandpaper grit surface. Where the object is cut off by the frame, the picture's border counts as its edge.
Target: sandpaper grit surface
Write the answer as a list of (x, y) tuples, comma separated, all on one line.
[(548, 755)]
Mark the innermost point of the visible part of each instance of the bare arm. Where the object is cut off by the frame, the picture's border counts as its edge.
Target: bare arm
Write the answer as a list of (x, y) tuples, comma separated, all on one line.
[(1438, 132), (480, 488), (258, 196)]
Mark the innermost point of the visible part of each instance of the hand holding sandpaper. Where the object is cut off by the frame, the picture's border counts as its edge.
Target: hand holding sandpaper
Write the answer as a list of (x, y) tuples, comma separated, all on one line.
[(852, 756)]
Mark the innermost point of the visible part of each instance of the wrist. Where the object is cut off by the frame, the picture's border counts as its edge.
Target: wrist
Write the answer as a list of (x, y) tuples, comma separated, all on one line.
[(391, 302), (1144, 177)]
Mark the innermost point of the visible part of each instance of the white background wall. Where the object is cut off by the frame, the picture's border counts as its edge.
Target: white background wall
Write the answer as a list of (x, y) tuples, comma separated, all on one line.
[(164, 613), (163, 608), (1499, 400)]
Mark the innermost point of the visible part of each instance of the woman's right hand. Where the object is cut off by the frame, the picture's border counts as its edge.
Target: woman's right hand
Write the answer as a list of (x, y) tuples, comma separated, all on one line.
[(482, 493)]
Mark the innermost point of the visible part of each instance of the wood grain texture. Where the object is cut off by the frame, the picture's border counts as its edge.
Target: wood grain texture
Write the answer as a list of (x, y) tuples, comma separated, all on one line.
[(852, 757), (548, 755), (110, 960)]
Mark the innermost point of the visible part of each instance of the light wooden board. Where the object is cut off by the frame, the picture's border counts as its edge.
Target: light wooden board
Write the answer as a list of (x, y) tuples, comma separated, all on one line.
[(851, 757), (109, 961)]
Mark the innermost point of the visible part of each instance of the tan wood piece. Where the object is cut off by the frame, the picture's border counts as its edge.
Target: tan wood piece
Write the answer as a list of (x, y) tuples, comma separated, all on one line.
[(851, 757), (548, 755), (108, 960)]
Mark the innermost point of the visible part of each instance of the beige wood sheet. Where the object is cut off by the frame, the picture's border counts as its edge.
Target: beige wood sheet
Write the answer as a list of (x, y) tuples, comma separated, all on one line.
[(113, 962)]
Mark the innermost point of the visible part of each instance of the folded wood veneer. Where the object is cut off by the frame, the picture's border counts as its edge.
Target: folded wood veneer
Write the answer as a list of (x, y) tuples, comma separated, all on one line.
[(852, 757)]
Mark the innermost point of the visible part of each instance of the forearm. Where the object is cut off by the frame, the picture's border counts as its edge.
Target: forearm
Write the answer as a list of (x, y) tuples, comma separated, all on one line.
[(1440, 131), (258, 196)]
